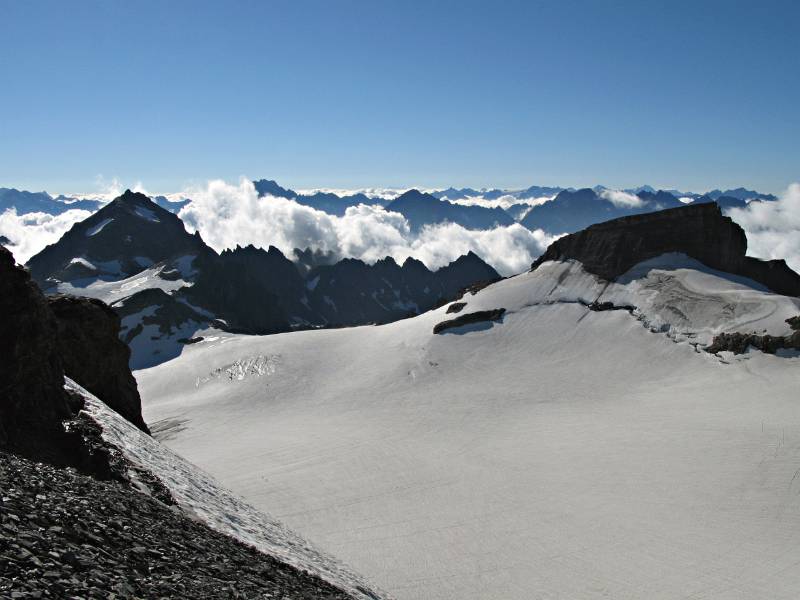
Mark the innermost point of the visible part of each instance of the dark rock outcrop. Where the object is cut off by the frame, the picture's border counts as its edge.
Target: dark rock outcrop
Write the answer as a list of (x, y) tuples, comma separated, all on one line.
[(93, 355), (33, 402), (700, 231), (456, 307), (480, 316), (38, 417), (738, 343)]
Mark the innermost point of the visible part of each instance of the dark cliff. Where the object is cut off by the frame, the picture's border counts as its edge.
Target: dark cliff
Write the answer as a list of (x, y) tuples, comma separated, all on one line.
[(33, 402), (94, 356), (700, 231)]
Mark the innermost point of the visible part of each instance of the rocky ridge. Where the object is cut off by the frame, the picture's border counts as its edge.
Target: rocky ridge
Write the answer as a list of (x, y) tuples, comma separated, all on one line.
[(700, 231)]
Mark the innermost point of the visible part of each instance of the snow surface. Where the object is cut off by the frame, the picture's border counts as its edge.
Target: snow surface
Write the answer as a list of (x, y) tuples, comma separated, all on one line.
[(558, 453), (203, 498), (146, 213), (112, 291), (79, 260), (97, 228)]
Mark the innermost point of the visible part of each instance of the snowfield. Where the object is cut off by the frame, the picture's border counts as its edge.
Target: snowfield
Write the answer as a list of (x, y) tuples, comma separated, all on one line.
[(110, 289), (559, 453), (205, 500)]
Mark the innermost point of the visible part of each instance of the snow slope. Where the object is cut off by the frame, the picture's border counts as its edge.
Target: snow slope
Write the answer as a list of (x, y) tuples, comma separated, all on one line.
[(560, 453), (207, 501), (112, 290)]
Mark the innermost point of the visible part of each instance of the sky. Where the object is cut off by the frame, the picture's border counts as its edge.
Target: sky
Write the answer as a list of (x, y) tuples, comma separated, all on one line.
[(693, 95)]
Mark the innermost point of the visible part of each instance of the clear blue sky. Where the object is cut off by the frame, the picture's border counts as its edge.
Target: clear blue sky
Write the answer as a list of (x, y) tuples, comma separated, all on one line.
[(693, 94)]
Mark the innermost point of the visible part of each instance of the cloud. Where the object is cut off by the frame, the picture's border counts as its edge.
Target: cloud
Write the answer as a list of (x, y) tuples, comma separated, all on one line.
[(227, 215), (504, 202), (31, 232), (773, 227), (621, 199)]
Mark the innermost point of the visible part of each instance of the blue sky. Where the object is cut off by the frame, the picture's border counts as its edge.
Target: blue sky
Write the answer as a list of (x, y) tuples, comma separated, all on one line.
[(693, 94)]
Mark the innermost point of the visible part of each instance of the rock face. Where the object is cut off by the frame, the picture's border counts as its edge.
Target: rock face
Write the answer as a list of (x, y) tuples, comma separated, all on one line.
[(93, 355), (33, 402), (352, 292), (700, 231)]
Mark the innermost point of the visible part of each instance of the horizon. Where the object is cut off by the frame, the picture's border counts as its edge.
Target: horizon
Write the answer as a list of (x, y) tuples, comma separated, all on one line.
[(350, 96), (110, 190)]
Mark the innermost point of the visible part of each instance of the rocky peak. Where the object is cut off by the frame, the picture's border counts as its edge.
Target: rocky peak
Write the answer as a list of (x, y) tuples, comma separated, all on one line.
[(109, 242), (700, 231)]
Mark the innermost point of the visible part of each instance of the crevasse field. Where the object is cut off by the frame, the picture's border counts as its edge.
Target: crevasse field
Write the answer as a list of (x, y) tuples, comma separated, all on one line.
[(560, 453)]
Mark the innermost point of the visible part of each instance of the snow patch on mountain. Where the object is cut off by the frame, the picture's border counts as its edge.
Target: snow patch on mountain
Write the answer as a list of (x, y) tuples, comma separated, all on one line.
[(112, 291), (92, 231)]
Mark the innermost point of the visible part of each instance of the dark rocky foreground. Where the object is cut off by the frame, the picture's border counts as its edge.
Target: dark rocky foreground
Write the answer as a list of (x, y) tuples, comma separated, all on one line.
[(67, 535), (77, 520), (701, 231)]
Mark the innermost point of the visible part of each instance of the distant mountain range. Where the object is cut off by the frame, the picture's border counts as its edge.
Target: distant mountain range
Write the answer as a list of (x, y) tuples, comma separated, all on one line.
[(567, 211), (166, 283), (29, 202)]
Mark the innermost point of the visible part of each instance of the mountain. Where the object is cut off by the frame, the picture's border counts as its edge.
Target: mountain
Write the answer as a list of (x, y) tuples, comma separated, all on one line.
[(166, 284), (123, 238), (699, 231), (269, 187), (741, 193), (566, 435), (572, 211), (422, 209), (332, 204), (93, 506), (351, 292), (29, 202), (327, 202), (464, 193), (534, 191), (173, 206)]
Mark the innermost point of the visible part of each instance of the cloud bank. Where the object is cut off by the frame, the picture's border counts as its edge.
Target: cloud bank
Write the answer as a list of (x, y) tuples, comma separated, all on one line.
[(504, 202), (227, 215), (621, 199), (773, 227), (31, 232)]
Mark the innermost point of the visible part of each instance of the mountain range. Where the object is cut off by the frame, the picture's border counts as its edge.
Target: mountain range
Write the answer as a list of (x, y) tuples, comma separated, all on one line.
[(166, 283)]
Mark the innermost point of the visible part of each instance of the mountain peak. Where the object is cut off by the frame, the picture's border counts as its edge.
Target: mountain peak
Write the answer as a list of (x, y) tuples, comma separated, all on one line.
[(700, 231)]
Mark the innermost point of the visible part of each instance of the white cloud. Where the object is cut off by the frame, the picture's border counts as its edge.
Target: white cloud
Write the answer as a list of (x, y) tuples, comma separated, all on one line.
[(621, 199), (504, 202), (227, 215), (30, 233), (773, 227)]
